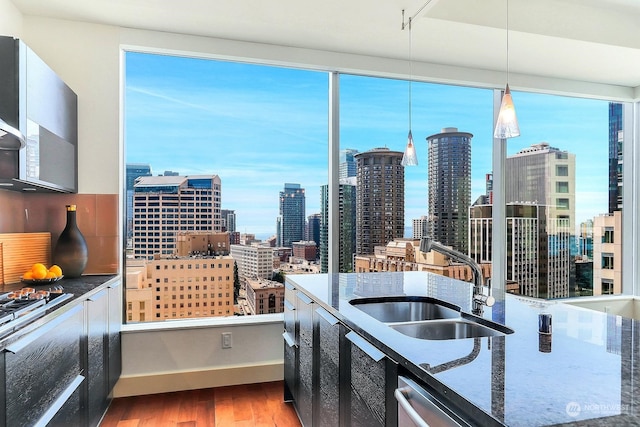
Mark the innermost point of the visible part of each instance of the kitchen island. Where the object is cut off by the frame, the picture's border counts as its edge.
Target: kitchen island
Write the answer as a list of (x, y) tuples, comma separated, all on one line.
[(60, 361), (585, 372)]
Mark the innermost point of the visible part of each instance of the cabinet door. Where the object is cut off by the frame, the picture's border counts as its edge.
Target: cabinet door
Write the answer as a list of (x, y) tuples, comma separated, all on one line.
[(113, 334), (96, 359), (373, 380), (43, 371), (329, 375), (304, 403), (290, 345)]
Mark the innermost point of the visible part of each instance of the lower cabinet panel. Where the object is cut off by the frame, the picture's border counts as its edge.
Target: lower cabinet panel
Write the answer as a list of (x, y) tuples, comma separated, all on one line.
[(329, 370), (41, 367)]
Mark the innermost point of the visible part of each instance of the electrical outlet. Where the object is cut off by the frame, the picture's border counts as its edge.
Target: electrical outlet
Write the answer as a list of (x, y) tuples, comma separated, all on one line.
[(226, 340)]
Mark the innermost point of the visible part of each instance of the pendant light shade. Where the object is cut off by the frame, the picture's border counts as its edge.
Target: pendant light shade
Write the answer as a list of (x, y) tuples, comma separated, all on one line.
[(410, 157), (507, 123)]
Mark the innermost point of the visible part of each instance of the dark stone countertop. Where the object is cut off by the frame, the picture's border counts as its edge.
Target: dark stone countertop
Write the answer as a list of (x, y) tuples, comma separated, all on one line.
[(590, 376), (81, 288)]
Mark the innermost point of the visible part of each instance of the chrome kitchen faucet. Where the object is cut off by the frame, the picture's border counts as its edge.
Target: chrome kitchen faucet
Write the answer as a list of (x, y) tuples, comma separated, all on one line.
[(479, 299)]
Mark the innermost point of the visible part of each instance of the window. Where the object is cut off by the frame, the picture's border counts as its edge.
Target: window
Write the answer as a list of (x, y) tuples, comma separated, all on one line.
[(562, 204), (607, 237), (562, 170), (606, 287), (607, 261), (562, 187)]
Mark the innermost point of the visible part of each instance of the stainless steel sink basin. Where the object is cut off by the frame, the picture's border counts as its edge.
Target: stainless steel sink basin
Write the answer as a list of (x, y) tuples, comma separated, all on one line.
[(406, 308), (448, 329)]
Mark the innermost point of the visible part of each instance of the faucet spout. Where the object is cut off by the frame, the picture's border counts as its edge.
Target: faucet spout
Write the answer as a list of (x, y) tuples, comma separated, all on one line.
[(479, 299)]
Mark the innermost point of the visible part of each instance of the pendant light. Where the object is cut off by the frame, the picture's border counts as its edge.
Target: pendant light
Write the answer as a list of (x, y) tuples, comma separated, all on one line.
[(410, 157), (507, 123)]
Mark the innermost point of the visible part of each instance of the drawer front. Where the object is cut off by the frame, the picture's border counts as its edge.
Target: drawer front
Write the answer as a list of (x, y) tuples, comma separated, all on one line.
[(41, 367)]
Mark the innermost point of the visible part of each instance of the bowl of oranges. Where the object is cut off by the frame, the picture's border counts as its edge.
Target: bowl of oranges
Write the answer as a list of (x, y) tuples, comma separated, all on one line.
[(40, 274)]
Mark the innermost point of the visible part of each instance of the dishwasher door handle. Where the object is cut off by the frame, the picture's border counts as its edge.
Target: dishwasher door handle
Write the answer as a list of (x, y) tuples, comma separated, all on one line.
[(401, 397)]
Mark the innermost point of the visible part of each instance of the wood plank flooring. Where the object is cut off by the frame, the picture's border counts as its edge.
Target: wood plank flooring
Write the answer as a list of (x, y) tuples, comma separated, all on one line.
[(234, 406)]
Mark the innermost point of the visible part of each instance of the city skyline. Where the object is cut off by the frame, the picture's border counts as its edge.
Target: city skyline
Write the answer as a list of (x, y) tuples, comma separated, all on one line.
[(199, 116)]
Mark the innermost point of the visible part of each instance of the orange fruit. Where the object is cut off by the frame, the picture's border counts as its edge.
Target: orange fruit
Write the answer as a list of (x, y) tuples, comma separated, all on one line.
[(39, 271), (28, 275), (57, 271), (50, 275)]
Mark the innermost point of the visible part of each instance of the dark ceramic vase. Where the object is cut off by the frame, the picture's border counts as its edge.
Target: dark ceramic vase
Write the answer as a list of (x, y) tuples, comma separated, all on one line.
[(71, 249)]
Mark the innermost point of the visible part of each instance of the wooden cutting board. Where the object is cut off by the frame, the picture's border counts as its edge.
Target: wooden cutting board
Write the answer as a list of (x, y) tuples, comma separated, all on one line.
[(19, 251)]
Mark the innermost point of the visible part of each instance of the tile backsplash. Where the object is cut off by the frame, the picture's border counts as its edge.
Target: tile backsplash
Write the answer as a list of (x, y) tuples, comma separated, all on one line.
[(97, 218)]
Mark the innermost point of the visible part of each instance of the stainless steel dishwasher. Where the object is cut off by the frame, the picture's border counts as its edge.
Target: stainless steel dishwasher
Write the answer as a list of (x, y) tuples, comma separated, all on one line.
[(417, 407)]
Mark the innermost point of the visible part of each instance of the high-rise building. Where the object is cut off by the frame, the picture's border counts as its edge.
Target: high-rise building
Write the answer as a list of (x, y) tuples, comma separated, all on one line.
[(292, 211), (313, 228), (347, 163), (537, 248), (346, 226), (134, 171), (379, 199), (167, 205), (616, 134), (253, 260), (419, 226), (543, 175), (449, 184), (228, 218)]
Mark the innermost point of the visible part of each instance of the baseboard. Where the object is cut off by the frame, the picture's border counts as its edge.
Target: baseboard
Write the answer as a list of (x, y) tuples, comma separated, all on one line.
[(192, 380)]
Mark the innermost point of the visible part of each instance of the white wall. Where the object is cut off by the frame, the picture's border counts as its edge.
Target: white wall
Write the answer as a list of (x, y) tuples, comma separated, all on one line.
[(10, 19), (189, 355)]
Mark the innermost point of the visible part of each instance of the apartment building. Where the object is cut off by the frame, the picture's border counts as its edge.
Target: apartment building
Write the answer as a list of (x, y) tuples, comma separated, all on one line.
[(265, 296), (178, 288), (253, 260), (164, 206), (379, 199), (449, 187), (607, 254)]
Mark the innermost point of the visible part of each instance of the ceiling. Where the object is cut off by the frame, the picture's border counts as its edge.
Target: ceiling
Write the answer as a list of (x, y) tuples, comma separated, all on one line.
[(594, 41)]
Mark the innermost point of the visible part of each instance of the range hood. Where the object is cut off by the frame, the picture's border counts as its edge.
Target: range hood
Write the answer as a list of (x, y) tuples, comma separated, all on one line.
[(38, 123), (10, 137)]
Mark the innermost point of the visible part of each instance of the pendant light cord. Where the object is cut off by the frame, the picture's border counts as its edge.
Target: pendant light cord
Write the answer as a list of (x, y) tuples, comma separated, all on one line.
[(507, 41), (410, 74)]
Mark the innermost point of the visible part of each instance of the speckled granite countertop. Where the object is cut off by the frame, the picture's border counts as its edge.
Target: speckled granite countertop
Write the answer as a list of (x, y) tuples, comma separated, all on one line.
[(587, 372), (81, 288)]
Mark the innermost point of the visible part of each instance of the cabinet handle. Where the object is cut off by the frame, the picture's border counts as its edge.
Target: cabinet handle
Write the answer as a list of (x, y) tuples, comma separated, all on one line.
[(45, 329), (290, 342), (305, 299), (331, 320), (59, 402), (415, 417), (365, 346), (97, 296), (114, 284)]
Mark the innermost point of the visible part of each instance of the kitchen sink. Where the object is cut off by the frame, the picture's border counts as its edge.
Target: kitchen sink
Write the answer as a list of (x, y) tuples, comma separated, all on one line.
[(448, 329), (394, 309)]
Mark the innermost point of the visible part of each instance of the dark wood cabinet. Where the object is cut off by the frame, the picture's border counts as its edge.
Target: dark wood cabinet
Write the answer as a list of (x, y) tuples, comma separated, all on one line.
[(96, 308), (62, 372), (43, 369), (373, 380), (114, 318)]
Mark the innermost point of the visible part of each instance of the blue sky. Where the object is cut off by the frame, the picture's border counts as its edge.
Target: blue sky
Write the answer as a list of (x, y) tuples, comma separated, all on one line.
[(258, 127)]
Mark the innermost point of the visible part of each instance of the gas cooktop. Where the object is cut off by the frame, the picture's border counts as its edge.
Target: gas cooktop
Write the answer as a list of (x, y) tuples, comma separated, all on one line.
[(19, 307)]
